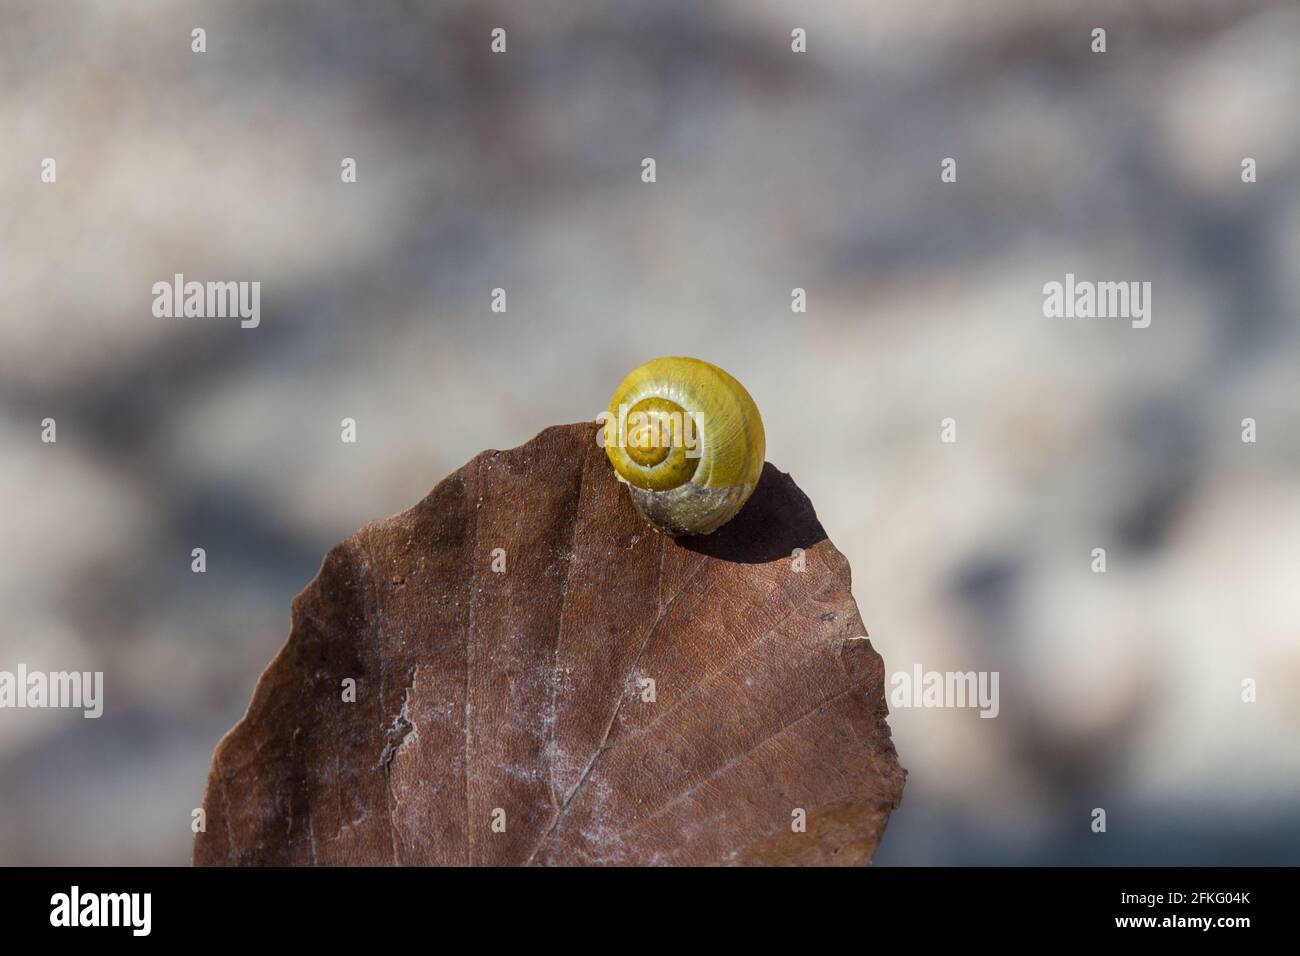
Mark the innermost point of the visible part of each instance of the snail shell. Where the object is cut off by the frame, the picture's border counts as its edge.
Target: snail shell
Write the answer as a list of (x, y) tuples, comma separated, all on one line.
[(687, 440)]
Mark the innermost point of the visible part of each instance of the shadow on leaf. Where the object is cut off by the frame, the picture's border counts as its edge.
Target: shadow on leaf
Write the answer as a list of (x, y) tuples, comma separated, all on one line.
[(777, 519)]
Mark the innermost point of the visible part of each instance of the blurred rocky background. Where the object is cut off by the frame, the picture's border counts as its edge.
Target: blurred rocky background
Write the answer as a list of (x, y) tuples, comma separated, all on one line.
[(775, 170)]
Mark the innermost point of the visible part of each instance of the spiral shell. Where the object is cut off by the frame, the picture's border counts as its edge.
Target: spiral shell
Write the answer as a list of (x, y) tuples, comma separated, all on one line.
[(687, 440)]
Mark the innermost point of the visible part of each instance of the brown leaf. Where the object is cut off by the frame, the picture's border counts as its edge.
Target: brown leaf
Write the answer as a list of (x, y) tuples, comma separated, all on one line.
[(521, 696)]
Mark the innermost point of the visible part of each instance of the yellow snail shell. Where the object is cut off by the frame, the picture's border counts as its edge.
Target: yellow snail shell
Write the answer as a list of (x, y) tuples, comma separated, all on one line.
[(687, 440)]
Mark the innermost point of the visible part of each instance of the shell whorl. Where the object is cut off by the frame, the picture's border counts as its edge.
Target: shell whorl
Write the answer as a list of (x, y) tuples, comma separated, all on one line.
[(694, 453)]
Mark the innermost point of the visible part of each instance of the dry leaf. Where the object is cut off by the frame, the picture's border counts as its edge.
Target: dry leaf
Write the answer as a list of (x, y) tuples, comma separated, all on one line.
[(613, 697)]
